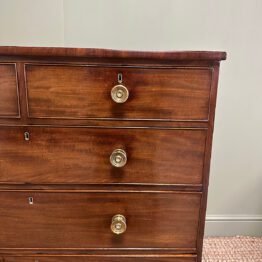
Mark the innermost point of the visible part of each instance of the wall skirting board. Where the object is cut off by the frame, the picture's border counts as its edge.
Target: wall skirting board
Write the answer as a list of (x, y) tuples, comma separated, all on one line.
[(224, 225)]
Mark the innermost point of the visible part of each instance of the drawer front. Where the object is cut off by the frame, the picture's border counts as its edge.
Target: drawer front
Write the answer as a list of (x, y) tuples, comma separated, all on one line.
[(97, 258), (82, 155), (83, 220), (9, 106), (64, 91)]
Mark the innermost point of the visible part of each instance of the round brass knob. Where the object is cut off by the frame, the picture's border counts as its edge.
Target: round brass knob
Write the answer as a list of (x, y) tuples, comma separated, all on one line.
[(118, 158), (119, 94), (118, 225)]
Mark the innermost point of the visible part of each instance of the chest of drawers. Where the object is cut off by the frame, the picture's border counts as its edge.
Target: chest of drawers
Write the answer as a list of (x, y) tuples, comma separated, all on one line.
[(104, 155)]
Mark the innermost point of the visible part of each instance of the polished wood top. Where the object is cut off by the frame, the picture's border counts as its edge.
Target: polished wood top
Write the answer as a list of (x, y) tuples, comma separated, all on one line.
[(109, 53)]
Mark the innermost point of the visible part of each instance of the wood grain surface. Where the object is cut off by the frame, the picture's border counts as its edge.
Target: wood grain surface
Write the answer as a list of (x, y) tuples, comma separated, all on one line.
[(97, 258), (82, 220), (85, 92), (81, 155), (61, 96), (9, 104), (109, 53)]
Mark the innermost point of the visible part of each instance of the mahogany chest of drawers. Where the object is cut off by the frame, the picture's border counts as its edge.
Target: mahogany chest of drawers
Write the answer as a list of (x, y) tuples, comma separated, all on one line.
[(104, 155)]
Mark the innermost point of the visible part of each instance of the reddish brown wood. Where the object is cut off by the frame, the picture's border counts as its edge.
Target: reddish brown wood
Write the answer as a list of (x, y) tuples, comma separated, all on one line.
[(105, 187), (9, 103), (107, 53), (207, 159), (79, 155), (167, 170), (84, 92), (82, 220), (101, 123), (98, 258), (22, 95)]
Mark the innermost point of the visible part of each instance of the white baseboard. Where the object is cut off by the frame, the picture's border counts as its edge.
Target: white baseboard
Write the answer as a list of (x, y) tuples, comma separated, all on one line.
[(233, 225)]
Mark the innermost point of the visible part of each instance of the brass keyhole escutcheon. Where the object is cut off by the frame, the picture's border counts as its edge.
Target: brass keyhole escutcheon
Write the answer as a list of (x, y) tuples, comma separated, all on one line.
[(26, 136)]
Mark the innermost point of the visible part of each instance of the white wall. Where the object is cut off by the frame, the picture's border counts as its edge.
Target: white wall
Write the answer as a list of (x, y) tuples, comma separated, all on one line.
[(31, 23), (235, 195)]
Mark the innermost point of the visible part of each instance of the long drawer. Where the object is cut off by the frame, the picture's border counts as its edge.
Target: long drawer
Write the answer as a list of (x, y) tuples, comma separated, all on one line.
[(74, 220), (80, 92), (97, 258), (90, 155)]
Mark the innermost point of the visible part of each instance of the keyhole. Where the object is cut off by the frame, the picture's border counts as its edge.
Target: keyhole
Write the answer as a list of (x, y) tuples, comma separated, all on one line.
[(27, 136), (31, 201), (120, 78)]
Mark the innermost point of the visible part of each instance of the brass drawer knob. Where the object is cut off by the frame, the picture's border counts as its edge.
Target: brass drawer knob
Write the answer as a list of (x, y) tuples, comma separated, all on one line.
[(118, 158), (118, 225), (119, 94)]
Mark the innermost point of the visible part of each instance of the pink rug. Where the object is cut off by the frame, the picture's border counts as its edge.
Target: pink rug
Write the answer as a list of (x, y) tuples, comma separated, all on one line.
[(241, 248)]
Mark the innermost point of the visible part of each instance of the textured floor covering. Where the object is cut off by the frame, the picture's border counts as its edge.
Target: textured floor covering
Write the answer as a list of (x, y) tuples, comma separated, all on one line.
[(218, 249)]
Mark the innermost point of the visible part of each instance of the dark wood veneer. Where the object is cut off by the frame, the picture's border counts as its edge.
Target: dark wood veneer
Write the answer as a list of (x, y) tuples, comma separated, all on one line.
[(9, 101), (82, 220), (71, 91), (81, 155), (62, 97), (99, 258), (110, 54)]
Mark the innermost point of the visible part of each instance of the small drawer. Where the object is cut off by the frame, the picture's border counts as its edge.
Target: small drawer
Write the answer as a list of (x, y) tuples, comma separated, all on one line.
[(60, 220), (101, 258), (101, 155), (92, 92), (9, 103)]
